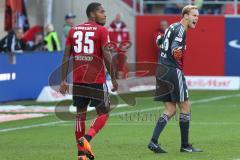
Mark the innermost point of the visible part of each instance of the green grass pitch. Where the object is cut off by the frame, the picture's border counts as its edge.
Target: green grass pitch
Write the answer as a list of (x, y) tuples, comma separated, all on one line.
[(215, 128)]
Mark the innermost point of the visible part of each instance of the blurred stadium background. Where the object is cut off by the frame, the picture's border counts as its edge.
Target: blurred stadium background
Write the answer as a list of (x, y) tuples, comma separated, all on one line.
[(212, 67)]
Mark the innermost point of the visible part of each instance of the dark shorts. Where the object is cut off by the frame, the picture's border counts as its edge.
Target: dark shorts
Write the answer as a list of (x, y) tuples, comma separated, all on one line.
[(170, 85), (94, 95)]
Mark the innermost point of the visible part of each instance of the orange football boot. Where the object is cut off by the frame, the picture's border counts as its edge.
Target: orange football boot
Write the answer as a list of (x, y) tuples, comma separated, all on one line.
[(85, 144)]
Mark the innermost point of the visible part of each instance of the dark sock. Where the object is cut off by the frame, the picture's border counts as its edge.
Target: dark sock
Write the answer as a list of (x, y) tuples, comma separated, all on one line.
[(154, 141), (88, 138), (184, 121), (161, 123)]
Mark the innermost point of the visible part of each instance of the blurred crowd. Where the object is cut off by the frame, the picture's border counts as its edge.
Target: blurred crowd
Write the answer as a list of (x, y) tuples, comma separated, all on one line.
[(38, 38), (45, 38), (175, 8), (16, 41)]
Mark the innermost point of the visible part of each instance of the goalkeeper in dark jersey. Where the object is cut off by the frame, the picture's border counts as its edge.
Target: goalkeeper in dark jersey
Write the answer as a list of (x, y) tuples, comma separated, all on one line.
[(173, 81)]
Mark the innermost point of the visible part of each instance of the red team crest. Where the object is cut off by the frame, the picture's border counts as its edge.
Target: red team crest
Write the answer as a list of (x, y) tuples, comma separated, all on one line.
[(87, 41)]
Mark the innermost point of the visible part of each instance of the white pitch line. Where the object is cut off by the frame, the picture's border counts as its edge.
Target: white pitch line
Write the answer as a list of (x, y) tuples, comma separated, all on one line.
[(215, 99), (121, 113), (193, 102), (171, 123), (31, 126)]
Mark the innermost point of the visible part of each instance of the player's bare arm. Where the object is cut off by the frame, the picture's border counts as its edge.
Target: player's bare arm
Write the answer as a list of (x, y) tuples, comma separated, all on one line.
[(64, 86), (110, 67)]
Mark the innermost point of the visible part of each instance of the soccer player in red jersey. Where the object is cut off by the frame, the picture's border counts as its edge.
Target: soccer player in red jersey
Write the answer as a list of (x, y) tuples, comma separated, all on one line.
[(86, 44)]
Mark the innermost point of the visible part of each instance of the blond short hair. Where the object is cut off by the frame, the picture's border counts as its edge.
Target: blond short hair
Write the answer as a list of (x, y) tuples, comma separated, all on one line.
[(49, 28), (187, 9)]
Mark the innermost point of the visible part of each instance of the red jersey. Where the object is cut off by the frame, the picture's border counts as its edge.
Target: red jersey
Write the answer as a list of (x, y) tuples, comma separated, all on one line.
[(86, 41)]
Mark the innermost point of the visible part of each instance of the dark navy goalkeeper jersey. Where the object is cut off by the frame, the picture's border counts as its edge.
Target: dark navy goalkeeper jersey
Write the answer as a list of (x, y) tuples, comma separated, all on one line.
[(174, 37)]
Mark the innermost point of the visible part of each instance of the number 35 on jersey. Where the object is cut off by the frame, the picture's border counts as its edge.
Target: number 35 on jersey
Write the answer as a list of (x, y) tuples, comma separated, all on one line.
[(83, 42)]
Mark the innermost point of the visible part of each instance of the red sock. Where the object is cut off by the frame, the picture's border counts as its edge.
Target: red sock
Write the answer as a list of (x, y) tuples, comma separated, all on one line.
[(97, 125), (80, 127)]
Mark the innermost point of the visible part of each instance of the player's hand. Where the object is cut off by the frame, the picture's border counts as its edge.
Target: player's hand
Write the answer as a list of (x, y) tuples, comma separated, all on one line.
[(64, 88), (177, 53), (115, 85), (159, 40)]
